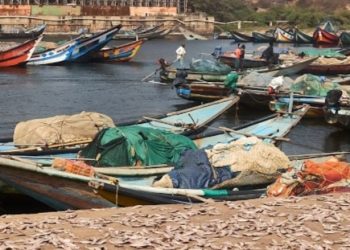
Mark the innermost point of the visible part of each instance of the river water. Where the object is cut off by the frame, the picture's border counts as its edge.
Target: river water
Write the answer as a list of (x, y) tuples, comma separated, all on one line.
[(117, 90)]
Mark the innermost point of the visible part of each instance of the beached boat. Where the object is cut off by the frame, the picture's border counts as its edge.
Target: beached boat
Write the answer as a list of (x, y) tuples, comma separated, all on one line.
[(327, 69), (326, 35), (300, 37), (127, 194), (184, 122), (241, 38), (64, 190), (23, 34), (283, 36), (262, 38), (121, 53), (19, 54)]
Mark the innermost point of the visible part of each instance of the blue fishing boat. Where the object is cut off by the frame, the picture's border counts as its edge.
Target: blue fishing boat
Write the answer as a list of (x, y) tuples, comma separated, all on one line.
[(76, 50), (64, 190)]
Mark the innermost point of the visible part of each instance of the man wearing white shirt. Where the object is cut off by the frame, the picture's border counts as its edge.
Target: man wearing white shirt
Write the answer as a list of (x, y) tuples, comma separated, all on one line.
[(180, 54)]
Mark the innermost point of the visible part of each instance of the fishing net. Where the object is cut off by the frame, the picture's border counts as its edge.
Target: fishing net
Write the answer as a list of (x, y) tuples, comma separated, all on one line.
[(60, 129), (255, 79), (135, 145), (312, 85), (313, 178), (209, 66), (312, 52)]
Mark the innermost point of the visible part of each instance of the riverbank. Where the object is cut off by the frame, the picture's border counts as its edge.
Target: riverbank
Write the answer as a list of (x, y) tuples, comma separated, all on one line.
[(310, 223)]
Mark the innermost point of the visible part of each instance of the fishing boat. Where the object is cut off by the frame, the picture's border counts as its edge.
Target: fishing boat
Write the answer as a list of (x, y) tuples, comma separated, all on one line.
[(128, 194), (326, 35), (300, 37), (19, 54), (169, 75), (262, 38), (327, 69), (203, 92), (64, 190), (345, 38), (85, 47), (241, 38), (121, 53), (79, 49), (248, 62), (23, 34), (55, 56), (155, 34), (283, 36), (189, 35), (183, 122)]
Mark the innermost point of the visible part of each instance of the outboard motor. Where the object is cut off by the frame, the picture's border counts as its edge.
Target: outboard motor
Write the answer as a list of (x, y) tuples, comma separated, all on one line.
[(332, 105), (333, 98), (180, 78)]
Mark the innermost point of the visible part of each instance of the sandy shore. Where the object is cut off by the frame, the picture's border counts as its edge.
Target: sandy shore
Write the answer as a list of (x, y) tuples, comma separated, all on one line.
[(314, 222)]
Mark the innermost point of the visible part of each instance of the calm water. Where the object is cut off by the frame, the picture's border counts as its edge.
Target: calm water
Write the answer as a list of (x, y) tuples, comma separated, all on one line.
[(116, 90)]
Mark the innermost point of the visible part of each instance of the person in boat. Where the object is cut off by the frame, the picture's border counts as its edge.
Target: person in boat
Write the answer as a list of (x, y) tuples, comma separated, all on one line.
[(180, 55), (163, 65), (241, 58), (238, 54), (268, 54)]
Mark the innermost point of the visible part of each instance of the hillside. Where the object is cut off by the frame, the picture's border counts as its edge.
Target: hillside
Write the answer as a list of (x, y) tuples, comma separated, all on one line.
[(306, 13)]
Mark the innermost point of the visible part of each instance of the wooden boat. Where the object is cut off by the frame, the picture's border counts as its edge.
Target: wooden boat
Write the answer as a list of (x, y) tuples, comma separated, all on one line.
[(283, 36), (125, 194), (262, 38), (159, 33), (77, 50), (330, 69), (223, 35), (203, 92), (326, 35), (241, 38), (183, 122), (248, 62), (169, 75), (19, 54), (62, 190), (23, 34), (54, 56), (189, 35), (345, 38), (121, 53), (316, 104), (85, 47), (300, 37), (292, 69)]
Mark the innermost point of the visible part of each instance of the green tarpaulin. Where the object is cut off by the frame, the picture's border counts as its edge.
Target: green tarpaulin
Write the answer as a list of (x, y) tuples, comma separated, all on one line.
[(135, 145)]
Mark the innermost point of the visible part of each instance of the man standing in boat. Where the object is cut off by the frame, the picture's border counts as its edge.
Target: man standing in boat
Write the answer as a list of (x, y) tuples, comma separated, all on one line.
[(241, 58), (268, 54), (238, 55), (180, 55)]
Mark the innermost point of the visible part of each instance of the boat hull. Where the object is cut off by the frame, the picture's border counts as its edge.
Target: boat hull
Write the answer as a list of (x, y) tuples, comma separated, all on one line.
[(19, 54), (262, 38), (241, 38), (123, 53), (321, 36), (332, 69), (282, 36), (58, 193), (247, 62), (23, 35), (169, 75), (301, 38), (202, 92)]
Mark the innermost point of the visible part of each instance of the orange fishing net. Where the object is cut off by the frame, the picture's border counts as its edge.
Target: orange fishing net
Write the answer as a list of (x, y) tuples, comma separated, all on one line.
[(75, 167), (314, 178)]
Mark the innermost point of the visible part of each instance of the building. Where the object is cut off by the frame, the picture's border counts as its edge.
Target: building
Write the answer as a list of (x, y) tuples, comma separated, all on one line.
[(181, 5)]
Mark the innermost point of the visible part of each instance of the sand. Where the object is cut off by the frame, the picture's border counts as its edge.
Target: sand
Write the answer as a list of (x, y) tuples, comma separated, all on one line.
[(314, 222)]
